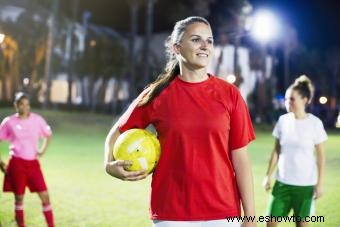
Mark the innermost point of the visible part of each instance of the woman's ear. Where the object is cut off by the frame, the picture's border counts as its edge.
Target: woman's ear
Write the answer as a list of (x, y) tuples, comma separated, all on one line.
[(176, 48), (306, 101)]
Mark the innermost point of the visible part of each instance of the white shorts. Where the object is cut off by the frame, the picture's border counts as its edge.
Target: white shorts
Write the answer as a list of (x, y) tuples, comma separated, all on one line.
[(212, 223)]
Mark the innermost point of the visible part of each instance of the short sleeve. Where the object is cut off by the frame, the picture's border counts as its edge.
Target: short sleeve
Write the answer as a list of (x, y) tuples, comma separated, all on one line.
[(135, 116), (241, 129), (4, 129), (44, 128), (276, 131), (320, 133)]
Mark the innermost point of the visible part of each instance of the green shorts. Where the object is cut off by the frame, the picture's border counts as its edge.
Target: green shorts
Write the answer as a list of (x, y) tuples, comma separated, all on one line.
[(286, 197)]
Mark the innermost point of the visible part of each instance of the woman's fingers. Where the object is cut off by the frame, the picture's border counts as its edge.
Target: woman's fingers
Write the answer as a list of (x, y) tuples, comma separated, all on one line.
[(136, 177)]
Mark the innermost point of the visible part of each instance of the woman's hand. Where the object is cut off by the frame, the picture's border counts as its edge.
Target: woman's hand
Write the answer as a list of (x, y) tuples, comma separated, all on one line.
[(118, 169), (41, 153), (266, 183), (3, 167), (249, 224), (318, 191)]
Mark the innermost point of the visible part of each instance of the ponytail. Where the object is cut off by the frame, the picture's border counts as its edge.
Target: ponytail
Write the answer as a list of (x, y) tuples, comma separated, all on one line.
[(304, 86), (160, 84), (172, 67)]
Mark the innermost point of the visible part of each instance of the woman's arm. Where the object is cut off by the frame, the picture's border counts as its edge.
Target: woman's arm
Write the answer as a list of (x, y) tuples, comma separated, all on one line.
[(118, 168), (44, 145), (109, 143), (2, 164), (271, 166), (244, 178), (320, 161)]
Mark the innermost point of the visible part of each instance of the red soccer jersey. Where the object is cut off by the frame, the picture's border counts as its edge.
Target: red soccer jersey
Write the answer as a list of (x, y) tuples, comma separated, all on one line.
[(198, 125)]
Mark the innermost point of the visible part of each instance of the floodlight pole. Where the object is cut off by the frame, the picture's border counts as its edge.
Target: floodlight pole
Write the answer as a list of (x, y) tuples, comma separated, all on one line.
[(71, 60), (134, 6)]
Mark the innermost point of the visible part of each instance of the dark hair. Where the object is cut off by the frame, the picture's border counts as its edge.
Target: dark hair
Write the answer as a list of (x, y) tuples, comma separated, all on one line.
[(20, 96), (172, 66), (303, 85)]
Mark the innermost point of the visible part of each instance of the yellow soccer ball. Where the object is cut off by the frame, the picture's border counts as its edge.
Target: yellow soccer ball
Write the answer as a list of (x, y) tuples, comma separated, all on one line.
[(139, 146)]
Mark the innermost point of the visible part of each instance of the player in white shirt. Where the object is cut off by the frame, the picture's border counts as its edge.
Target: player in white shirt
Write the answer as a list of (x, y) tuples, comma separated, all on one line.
[(299, 155)]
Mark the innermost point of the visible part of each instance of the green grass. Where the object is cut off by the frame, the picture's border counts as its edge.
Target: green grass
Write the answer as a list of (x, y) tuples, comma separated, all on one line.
[(82, 194)]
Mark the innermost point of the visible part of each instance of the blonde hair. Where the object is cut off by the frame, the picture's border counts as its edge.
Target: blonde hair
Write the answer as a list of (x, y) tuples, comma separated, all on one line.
[(303, 85)]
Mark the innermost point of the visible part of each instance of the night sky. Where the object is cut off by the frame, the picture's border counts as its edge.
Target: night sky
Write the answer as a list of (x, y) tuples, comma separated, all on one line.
[(317, 21)]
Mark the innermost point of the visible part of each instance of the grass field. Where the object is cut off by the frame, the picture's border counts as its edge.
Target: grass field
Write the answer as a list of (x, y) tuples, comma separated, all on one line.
[(83, 195)]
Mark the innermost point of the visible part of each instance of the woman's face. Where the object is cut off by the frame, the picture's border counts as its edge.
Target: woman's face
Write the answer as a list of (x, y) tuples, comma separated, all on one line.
[(294, 101), (23, 107), (196, 46)]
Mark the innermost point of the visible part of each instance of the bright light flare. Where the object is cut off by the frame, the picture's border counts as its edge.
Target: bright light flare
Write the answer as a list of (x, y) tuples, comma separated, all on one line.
[(231, 78), (265, 26), (93, 43), (26, 81), (323, 100)]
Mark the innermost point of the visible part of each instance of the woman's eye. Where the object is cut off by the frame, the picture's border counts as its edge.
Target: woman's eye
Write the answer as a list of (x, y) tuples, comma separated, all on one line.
[(196, 40)]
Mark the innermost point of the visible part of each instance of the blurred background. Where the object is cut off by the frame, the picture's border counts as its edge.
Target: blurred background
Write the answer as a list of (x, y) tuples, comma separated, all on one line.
[(82, 62), (97, 55)]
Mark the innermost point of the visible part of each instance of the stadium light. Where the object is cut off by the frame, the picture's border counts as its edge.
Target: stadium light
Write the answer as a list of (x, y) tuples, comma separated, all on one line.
[(26, 81), (323, 100), (231, 78), (264, 26)]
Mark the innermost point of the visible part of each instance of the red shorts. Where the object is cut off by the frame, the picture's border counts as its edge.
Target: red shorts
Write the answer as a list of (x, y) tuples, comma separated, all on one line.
[(21, 173)]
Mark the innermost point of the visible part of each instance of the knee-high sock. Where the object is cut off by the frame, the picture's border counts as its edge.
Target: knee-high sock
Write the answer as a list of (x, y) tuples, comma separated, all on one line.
[(47, 210), (19, 214)]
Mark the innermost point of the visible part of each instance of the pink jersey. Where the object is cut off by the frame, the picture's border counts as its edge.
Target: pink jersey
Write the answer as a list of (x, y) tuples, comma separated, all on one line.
[(23, 134)]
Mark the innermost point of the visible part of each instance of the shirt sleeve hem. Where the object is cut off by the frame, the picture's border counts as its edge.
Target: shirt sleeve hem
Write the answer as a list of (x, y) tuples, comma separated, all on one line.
[(238, 146)]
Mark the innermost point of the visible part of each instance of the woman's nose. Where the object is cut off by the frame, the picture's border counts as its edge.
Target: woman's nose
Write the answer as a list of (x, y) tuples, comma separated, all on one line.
[(204, 45)]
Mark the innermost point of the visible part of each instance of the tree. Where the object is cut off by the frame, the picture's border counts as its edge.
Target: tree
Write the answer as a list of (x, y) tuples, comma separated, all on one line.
[(35, 49), (103, 58), (70, 66), (32, 50), (133, 7), (9, 67), (49, 50), (225, 16), (333, 65), (147, 40)]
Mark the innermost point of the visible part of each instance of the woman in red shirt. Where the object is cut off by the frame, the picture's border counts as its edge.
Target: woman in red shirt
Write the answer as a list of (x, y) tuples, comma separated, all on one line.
[(203, 126)]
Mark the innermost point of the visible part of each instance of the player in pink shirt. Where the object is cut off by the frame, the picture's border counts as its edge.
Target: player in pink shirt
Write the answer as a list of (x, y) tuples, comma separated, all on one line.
[(23, 131)]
